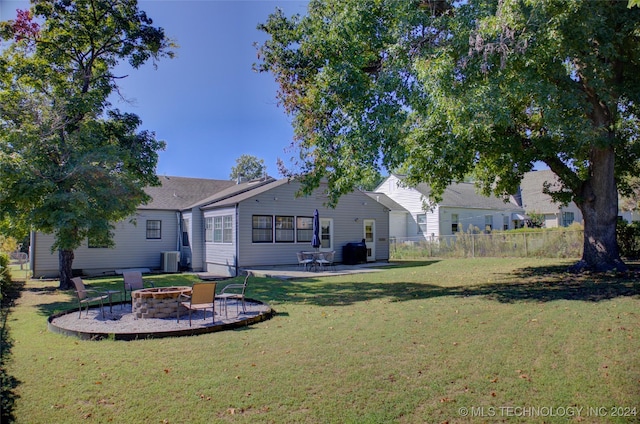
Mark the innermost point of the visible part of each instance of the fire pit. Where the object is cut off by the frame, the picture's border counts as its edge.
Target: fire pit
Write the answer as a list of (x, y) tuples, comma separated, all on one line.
[(157, 302)]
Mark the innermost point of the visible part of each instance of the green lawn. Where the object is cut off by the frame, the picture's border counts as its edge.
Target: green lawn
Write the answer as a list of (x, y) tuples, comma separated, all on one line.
[(504, 340)]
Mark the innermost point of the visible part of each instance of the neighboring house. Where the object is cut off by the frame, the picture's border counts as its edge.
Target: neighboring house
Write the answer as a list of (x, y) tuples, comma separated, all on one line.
[(461, 208), (534, 201), (222, 227), (556, 215), (398, 215)]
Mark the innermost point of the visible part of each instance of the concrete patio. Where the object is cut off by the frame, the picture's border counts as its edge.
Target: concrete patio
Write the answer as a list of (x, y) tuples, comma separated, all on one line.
[(291, 272)]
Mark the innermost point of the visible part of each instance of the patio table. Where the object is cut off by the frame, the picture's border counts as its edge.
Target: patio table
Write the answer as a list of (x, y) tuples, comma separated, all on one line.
[(315, 256)]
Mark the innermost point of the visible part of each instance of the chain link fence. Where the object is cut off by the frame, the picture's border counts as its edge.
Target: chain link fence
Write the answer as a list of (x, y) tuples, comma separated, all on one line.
[(558, 243)]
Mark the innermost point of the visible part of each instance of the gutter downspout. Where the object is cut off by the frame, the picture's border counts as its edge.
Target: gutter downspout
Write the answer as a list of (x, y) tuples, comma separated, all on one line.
[(178, 215), (32, 257), (236, 240)]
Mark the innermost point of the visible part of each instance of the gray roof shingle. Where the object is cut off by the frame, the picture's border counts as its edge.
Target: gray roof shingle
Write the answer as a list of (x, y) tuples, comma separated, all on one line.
[(533, 199), (385, 201), (464, 195), (177, 193)]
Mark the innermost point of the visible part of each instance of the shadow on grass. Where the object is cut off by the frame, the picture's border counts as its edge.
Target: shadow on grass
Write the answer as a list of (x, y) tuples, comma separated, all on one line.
[(8, 383), (543, 284)]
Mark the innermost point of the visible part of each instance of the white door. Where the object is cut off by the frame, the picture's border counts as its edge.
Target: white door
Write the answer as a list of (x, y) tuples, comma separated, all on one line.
[(370, 238), (326, 234)]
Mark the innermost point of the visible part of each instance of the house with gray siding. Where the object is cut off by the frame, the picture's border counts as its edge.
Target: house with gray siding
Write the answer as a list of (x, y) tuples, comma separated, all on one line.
[(223, 227), (460, 209), (268, 224)]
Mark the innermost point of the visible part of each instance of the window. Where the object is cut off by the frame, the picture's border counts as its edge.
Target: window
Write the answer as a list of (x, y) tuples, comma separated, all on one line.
[(227, 229), (284, 229), (454, 223), (219, 229), (262, 229), (185, 232), (505, 223), (154, 229), (567, 218), (488, 223), (208, 229), (421, 218), (304, 228)]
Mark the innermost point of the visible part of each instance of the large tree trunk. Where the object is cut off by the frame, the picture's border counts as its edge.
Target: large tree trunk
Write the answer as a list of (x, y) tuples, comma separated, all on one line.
[(65, 262), (598, 201)]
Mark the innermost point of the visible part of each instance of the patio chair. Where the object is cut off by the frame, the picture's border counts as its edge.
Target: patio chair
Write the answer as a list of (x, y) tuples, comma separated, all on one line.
[(202, 297), (236, 291), (304, 260), (326, 260), (87, 296), (132, 280)]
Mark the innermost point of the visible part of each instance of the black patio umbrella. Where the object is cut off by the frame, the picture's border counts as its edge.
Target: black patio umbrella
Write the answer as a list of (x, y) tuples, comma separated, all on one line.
[(315, 240)]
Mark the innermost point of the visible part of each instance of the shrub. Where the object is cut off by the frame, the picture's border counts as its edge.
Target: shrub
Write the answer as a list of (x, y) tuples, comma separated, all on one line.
[(5, 277), (628, 239)]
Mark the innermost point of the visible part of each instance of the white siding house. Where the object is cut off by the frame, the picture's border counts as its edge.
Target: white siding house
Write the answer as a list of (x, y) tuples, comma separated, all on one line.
[(461, 208)]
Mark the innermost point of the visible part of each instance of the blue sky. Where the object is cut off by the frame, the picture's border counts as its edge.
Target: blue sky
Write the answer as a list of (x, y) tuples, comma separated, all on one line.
[(207, 103)]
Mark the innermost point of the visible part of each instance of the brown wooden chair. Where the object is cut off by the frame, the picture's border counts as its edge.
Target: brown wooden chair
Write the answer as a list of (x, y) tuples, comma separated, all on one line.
[(132, 280), (234, 291), (203, 296), (87, 296)]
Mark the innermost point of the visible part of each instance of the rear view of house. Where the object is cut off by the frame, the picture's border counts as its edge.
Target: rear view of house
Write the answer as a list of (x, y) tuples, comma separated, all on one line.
[(222, 226)]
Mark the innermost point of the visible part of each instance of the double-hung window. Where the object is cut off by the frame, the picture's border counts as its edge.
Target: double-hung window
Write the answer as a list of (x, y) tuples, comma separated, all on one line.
[(488, 223), (154, 229), (185, 232), (421, 218), (227, 229), (304, 229), (208, 229), (567, 218), (262, 229), (219, 229), (284, 229)]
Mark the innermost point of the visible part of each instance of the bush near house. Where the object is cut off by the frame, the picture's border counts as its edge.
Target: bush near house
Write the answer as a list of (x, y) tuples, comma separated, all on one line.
[(7, 382), (629, 239)]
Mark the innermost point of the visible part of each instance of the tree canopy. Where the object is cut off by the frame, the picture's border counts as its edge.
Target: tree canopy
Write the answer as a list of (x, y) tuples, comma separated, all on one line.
[(449, 89), (248, 167), (70, 164)]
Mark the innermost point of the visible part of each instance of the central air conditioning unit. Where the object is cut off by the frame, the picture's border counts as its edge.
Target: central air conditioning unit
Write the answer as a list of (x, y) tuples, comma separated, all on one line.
[(170, 261)]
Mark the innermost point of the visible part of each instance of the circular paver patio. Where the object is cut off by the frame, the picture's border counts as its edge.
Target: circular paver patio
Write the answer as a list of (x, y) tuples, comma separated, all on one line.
[(121, 324)]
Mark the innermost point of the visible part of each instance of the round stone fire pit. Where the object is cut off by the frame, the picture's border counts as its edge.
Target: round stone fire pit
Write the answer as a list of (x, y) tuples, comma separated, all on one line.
[(157, 302)]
